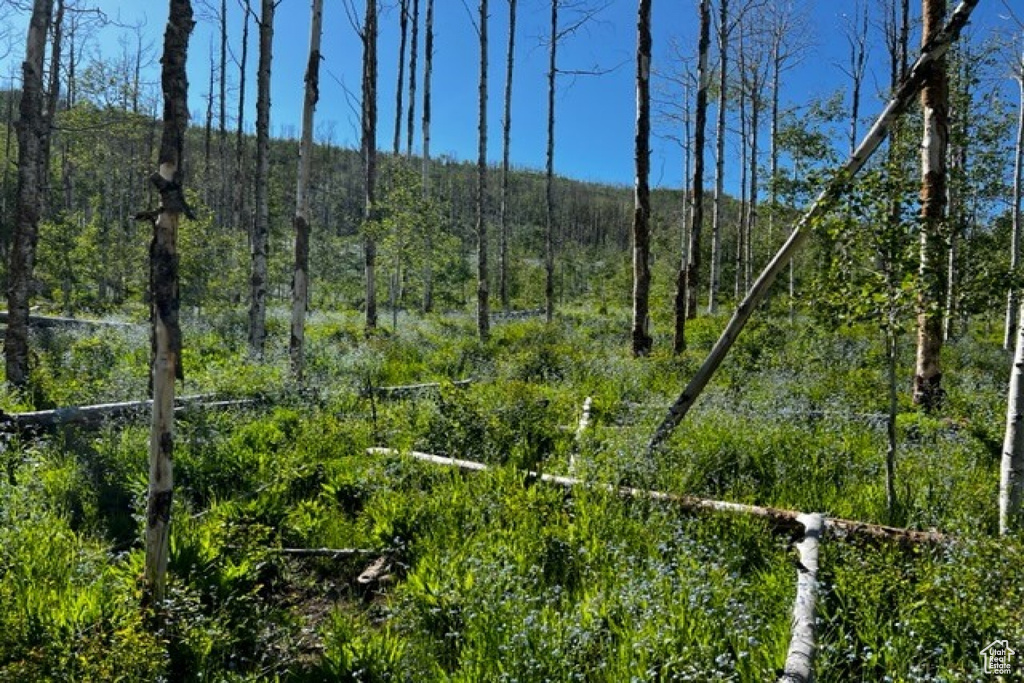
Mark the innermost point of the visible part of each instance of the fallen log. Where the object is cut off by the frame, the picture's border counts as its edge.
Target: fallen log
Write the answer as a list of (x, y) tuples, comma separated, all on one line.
[(96, 415), (581, 428), (331, 553), (779, 518), (59, 321), (799, 667), (406, 390)]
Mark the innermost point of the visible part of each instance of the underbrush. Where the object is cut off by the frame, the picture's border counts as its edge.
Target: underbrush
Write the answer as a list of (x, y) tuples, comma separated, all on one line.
[(495, 576)]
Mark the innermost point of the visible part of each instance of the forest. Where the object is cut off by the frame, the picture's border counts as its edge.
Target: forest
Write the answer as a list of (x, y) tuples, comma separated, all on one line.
[(285, 404)]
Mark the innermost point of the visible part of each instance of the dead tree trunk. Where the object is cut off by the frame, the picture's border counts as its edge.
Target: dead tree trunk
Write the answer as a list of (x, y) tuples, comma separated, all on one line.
[(928, 391), (483, 312), (799, 667), (369, 148), (31, 128), (166, 361), (1012, 297), (410, 125), (261, 226), (642, 341), (240, 182), (716, 218), (834, 189), (549, 175), (428, 66), (403, 32), (300, 278), (686, 285), (506, 135)]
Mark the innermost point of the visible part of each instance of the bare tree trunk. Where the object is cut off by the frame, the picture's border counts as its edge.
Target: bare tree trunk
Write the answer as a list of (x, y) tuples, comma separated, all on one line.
[(506, 130), (1011, 471), (410, 126), (261, 226), (835, 187), (222, 122), (428, 65), (928, 391), (240, 182), (717, 218), (369, 147), (549, 176), (300, 278), (32, 129), (686, 288), (483, 312), (799, 667), (857, 40), (1012, 298), (166, 361), (403, 29), (642, 341)]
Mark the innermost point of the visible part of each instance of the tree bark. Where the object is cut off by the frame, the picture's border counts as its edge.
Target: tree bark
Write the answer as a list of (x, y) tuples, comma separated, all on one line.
[(428, 67), (1012, 298), (799, 667), (261, 226), (403, 30), (1011, 470), (506, 134), (369, 149), (549, 175), (642, 341), (717, 218), (241, 182), (928, 392), (166, 361), (410, 126), (835, 187), (483, 313), (300, 278), (686, 289), (32, 130)]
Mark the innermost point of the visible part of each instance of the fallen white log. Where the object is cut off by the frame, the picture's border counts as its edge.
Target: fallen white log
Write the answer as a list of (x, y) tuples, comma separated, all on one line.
[(581, 428), (404, 390), (59, 321), (779, 518), (799, 666), (97, 414)]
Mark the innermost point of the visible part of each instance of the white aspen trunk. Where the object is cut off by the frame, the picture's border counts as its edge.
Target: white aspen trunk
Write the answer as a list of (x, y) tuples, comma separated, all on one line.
[(1011, 470), (799, 666), (717, 218), (1018, 181), (300, 276), (834, 189)]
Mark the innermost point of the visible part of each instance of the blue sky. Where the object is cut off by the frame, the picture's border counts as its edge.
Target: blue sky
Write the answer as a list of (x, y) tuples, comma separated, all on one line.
[(595, 114)]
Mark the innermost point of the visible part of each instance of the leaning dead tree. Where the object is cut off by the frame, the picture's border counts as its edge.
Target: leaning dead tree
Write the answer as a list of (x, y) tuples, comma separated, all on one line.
[(163, 256), (300, 278), (799, 666), (837, 185), (32, 130)]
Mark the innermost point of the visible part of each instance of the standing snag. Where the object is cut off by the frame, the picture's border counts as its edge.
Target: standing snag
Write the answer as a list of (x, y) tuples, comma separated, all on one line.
[(166, 359), (642, 341)]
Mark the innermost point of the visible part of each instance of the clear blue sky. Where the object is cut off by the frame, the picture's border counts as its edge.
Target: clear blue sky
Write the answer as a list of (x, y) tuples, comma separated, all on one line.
[(595, 115)]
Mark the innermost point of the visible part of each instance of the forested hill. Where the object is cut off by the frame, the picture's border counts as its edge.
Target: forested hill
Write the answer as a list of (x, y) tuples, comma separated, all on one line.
[(92, 252)]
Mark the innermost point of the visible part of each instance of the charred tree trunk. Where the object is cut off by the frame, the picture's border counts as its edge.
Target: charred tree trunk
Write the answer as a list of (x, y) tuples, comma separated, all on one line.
[(261, 226), (300, 278), (410, 125), (428, 65), (166, 361), (642, 341), (32, 131), (369, 148), (928, 392), (549, 175), (483, 313), (403, 32), (240, 183), (506, 134)]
